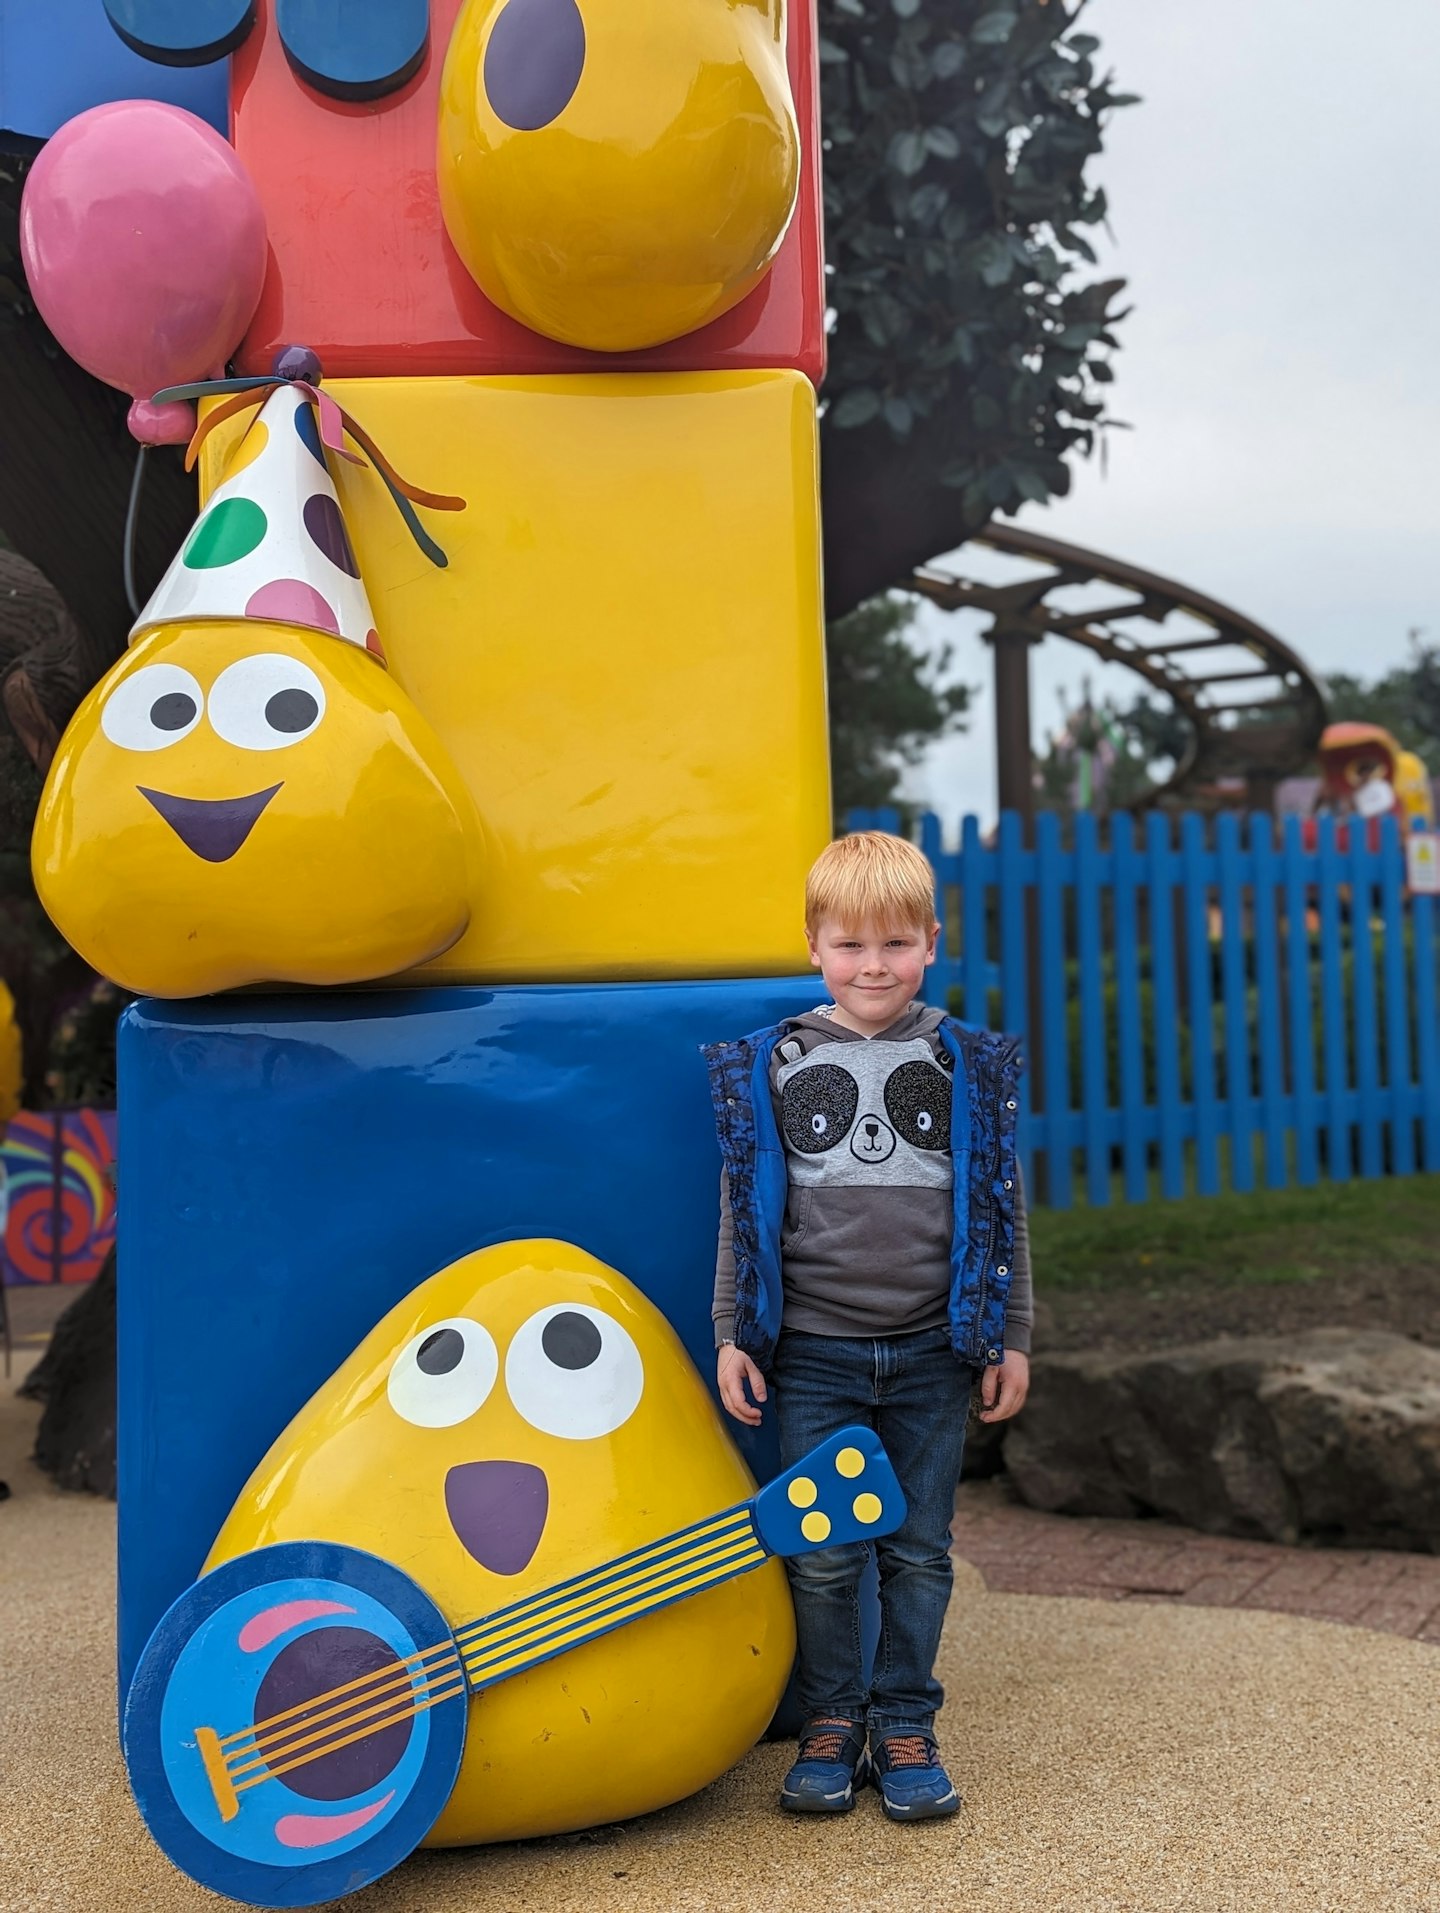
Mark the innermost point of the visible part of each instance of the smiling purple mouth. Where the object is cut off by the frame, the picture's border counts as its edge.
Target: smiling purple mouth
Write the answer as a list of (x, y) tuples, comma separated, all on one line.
[(498, 1510), (213, 827)]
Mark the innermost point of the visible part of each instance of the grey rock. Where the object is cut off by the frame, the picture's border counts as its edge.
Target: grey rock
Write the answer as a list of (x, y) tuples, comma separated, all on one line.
[(1333, 1436)]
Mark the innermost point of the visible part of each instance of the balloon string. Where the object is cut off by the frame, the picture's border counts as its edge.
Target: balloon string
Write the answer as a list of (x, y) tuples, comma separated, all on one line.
[(132, 532)]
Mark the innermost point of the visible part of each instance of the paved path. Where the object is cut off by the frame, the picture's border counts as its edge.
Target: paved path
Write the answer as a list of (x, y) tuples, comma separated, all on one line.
[(1117, 1756), (1019, 1550)]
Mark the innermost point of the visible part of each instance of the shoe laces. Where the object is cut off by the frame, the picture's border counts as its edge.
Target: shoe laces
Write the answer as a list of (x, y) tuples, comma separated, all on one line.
[(907, 1750), (827, 1742)]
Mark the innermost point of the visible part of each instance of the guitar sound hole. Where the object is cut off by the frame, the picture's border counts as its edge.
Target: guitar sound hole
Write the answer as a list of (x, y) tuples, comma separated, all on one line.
[(310, 1669)]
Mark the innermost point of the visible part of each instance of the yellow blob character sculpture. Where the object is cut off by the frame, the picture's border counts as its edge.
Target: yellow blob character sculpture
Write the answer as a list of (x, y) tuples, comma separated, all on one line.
[(248, 796), (522, 1416), (617, 179)]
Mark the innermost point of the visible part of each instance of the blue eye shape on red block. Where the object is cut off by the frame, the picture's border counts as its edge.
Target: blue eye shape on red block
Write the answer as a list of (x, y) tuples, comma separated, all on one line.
[(375, 50), (534, 61)]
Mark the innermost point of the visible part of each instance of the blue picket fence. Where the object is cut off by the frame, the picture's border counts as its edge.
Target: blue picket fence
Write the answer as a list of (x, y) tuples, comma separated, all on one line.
[(1214, 1005)]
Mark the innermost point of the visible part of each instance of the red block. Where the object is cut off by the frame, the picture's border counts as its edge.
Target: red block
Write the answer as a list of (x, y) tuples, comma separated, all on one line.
[(362, 270)]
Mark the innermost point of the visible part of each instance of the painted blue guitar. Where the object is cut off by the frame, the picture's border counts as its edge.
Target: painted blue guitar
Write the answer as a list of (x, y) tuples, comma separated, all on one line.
[(297, 1720)]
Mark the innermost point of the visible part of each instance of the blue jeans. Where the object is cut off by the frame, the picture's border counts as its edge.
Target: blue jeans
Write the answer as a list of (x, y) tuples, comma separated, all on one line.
[(913, 1392)]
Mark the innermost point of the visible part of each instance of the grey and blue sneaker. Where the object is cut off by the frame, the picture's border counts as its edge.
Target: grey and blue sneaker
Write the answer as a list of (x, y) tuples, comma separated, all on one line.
[(912, 1783), (830, 1767)]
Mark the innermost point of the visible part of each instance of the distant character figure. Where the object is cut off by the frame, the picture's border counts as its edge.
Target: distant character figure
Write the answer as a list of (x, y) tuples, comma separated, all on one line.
[(873, 1264), (1366, 773)]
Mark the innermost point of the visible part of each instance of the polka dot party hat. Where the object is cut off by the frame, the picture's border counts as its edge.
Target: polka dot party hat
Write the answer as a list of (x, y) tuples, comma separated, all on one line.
[(271, 542)]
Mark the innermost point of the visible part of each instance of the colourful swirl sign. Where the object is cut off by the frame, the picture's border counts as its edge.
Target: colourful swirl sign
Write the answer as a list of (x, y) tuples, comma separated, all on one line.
[(57, 1200)]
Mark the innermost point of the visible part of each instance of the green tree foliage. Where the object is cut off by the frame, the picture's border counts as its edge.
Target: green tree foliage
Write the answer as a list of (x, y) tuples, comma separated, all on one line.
[(1405, 701), (957, 137), (889, 698)]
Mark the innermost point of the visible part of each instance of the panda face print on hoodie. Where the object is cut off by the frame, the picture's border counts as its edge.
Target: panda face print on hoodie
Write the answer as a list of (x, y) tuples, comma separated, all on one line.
[(871, 1114)]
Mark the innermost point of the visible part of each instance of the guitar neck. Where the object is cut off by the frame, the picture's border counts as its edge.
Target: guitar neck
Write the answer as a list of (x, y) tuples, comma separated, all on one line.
[(521, 1636)]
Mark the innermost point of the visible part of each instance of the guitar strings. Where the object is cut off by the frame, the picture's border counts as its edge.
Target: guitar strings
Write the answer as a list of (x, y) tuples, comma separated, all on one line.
[(713, 1555), (706, 1561), (438, 1691), (623, 1567)]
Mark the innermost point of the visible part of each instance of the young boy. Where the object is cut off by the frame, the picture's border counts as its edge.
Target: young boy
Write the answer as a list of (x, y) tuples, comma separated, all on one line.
[(873, 1259)]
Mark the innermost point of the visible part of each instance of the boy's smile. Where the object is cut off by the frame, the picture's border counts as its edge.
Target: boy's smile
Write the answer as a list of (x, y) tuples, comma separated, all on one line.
[(873, 971)]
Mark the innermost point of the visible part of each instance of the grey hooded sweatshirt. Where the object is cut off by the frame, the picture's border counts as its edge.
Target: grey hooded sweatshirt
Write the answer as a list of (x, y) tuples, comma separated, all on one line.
[(869, 1214)]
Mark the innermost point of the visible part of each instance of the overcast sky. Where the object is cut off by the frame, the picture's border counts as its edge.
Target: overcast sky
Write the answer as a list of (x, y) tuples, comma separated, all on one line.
[(1275, 205)]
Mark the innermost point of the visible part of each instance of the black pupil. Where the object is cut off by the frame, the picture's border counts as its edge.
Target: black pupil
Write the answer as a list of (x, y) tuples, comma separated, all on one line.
[(570, 1340), (290, 711), (440, 1352), (173, 711)]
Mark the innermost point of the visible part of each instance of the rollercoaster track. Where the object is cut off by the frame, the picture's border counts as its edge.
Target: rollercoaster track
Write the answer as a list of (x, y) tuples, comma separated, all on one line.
[(1260, 722)]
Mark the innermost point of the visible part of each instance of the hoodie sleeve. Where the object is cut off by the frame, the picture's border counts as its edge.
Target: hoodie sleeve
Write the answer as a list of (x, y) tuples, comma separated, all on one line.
[(722, 1309), (1020, 1308)]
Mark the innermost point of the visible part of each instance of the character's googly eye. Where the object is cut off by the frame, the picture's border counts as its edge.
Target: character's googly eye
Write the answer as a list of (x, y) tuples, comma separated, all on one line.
[(154, 708), (265, 702), (573, 1371), (820, 1124), (534, 61), (444, 1374)]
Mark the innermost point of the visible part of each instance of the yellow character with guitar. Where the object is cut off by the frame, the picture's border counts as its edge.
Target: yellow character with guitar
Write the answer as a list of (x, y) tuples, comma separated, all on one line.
[(483, 1500)]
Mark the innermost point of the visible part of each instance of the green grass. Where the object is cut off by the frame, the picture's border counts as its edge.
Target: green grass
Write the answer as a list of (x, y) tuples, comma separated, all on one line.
[(1279, 1235)]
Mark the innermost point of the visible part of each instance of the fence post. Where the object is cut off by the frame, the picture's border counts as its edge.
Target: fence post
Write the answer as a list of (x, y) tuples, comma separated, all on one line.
[(1018, 974), (1269, 1017), (1050, 887), (1128, 1019), (1231, 873), (1332, 1009), (1427, 1035), (1094, 1047), (1194, 863), (1163, 1002), (1397, 1008), (1302, 1018), (1362, 984)]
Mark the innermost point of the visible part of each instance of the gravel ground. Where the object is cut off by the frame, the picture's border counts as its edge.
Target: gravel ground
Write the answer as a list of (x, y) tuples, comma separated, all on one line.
[(1115, 1759)]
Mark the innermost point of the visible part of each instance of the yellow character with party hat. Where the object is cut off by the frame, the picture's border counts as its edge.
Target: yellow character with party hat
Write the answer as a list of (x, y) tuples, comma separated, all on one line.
[(523, 1415), (248, 796)]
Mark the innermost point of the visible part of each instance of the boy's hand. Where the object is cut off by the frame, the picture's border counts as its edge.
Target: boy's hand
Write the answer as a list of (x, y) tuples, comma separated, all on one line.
[(733, 1370), (1003, 1387)]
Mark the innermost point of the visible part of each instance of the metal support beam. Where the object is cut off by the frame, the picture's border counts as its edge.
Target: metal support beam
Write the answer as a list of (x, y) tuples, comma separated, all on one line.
[(1014, 771), (1015, 782)]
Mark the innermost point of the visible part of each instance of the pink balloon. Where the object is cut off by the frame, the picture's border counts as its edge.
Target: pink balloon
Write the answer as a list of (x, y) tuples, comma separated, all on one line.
[(144, 243)]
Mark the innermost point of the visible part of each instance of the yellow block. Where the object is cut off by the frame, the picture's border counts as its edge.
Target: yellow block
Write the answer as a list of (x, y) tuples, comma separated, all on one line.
[(624, 657)]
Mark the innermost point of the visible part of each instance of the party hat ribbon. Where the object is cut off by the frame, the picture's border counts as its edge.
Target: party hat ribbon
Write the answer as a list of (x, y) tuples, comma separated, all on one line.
[(298, 369), (271, 543)]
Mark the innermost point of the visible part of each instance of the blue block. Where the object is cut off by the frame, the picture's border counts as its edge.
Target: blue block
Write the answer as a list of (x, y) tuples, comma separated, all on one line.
[(60, 57), (290, 1167)]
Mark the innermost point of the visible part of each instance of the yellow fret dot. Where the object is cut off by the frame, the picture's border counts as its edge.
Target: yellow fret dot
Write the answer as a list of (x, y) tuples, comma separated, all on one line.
[(802, 1492), (866, 1508), (850, 1462), (815, 1526)]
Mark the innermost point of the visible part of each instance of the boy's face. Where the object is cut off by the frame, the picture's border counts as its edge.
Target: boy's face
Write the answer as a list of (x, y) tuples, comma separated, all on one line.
[(872, 970)]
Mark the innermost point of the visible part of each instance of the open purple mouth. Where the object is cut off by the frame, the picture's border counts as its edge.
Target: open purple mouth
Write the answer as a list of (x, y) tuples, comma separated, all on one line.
[(213, 827), (498, 1510)]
